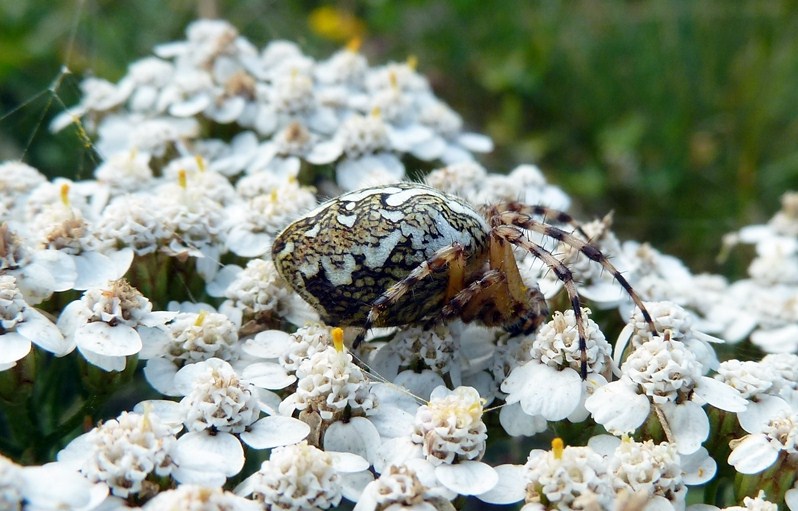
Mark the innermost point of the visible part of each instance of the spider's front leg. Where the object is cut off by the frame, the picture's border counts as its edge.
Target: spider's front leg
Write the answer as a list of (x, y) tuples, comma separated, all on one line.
[(505, 234), (525, 221), (451, 258)]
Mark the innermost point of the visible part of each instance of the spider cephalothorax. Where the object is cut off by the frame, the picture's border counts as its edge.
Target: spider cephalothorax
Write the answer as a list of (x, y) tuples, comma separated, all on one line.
[(406, 253)]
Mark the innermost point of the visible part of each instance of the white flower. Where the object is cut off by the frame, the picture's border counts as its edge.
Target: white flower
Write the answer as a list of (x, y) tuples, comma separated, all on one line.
[(653, 469), (666, 375), (107, 323), (258, 298), (63, 228), (190, 497), (254, 224), (758, 503), (17, 180), (50, 487), (39, 272), (401, 487), (218, 409), (131, 221), (755, 452), (21, 325), (568, 478), (125, 172), (549, 384), (123, 453), (192, 337)]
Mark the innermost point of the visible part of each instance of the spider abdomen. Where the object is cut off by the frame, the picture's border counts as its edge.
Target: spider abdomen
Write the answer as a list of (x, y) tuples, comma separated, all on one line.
[(346, 253)]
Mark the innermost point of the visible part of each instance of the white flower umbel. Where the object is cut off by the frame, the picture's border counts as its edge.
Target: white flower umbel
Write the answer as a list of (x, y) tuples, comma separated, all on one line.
[(568, 478), (190, 497), (663, 374), (127, 453), (755, 452), (21, 325), (549, 384), (17, 180), (452, 437), (758, 503), (418, 359), (755, 381), (218, 409), (401, 487), (132, 221), (193, 337), (257, 297), (107, 324), (296, 477)]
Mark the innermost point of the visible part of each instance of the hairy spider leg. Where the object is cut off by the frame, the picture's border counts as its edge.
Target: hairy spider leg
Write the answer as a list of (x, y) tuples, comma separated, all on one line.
[(549, 214), (590, 251), (517, 237), (451, 257)]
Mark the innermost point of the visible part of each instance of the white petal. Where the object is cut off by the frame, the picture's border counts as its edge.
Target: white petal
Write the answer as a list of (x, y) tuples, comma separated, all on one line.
[(170, 412), (697, 468), (105, 362), (431, 149), (720, 395), (517, 423), (43, 333), (200, 452), (54, 486), (160, 374), (268, 375), (467, 477), (419, 384), (510, 488), (617, 407), (353, 484), (112, 341), (13, 347), (397, 451), (753, 454), (392, 422), (60, 266), (268, 344), (222, 280), (325, 152), (791, 499), (246, 243), (777, 340), (551, 393), (358, 436), (93, 270), (475, 142), (759, 412), (275, 431), (688, 423), (347, 462)]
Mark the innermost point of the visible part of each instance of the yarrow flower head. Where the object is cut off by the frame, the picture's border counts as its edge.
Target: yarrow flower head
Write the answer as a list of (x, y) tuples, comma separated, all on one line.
[(568, 478), (21, 325), (550, 383), (450, 428), (296, 477), (107, 323), (653, 469), (400, 487), (756, 452), (127, 453), (191, 497), (192, 337), (663, 374), (220, 407)]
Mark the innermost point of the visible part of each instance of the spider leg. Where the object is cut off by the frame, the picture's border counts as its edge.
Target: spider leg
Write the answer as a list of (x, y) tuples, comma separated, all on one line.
[(513, 235), (590, 251), (451, 257), (521, 208)]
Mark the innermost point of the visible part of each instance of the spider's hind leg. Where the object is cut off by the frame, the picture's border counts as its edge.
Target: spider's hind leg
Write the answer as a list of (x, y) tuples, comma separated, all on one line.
[(451, 258)]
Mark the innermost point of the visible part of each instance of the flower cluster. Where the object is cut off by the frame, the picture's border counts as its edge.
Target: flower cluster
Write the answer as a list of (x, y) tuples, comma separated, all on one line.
[(156, 273)]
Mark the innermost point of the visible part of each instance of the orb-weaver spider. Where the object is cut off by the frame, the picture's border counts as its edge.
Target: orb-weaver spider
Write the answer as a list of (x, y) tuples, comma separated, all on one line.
[(407, 253)]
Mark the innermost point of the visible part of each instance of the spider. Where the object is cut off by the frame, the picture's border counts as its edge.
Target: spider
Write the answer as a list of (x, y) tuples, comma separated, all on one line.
[(406, 254)]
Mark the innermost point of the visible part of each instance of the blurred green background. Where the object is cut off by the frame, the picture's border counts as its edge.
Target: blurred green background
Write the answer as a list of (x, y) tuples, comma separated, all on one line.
[(678, 115)]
